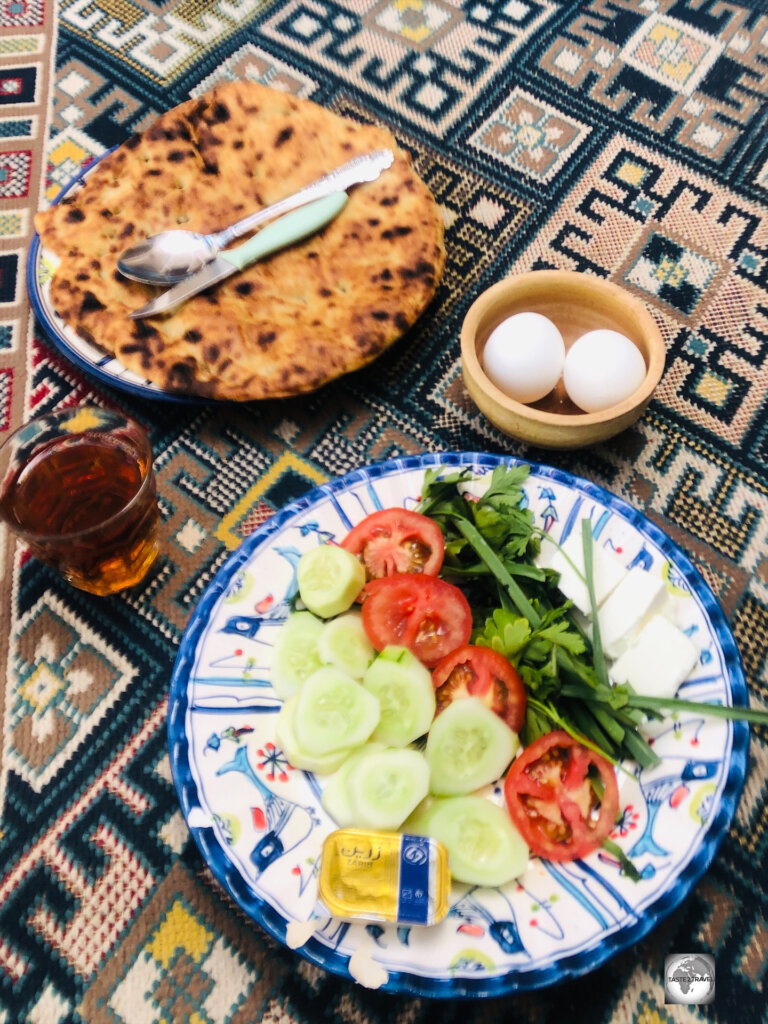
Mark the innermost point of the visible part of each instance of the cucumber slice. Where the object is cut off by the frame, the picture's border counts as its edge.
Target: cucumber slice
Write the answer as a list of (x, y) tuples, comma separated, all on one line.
[(296, 655), (385, 786), (344, 645), (285, 734), (484, 847), (333, 712), (329, 579), (468, 746), (403, 687), (335, 796), (417, 823)]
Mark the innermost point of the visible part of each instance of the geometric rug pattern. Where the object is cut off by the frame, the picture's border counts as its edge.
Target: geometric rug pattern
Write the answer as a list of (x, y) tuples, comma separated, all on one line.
[(623, 139)]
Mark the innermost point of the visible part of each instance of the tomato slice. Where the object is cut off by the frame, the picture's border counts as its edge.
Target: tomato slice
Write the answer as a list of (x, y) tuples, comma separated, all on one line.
[(552, 801), (423, 613), (471, 671), (396, 540)]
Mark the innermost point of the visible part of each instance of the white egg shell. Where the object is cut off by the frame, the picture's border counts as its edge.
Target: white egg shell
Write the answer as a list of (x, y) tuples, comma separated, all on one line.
[(601, 369), (524, 356)]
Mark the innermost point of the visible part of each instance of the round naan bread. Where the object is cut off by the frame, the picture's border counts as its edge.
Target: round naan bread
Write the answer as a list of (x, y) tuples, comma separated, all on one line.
[(285, 325)]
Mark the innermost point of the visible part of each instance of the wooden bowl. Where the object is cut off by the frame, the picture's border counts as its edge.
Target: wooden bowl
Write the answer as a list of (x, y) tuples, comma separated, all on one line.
[(576, 303)]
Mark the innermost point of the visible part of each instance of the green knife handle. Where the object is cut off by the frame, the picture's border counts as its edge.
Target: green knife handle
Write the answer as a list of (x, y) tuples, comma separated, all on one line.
[(290, 228)]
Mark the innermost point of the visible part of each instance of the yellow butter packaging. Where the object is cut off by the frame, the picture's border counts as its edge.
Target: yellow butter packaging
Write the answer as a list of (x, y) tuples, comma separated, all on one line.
[(384, 876)]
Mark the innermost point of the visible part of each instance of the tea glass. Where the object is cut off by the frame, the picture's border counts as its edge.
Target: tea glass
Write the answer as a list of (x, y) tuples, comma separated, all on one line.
[(78, 487)]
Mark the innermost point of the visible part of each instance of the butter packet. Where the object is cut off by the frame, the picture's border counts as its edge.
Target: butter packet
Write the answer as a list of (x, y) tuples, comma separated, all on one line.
[(384, 876)]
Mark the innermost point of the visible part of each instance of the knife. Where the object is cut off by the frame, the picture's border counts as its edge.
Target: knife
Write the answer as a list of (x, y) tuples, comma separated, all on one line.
[(287, 230), (355, 172)]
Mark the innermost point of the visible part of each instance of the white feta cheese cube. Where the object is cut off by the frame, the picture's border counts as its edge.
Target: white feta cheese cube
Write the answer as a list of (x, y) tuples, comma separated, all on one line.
[(657, 661), (638, 595), (548, 551), (673, 608), (607, 570)]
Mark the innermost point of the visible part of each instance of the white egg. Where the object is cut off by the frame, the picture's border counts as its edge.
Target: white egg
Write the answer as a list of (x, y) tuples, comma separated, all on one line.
[(601, 369), (524, 356)]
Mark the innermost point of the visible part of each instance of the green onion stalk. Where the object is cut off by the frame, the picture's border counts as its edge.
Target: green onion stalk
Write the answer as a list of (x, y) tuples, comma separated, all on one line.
[(490, 546)]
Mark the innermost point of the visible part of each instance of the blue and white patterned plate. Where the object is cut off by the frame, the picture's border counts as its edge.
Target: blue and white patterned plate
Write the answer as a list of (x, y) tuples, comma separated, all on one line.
[(260, 825), (95, 361)]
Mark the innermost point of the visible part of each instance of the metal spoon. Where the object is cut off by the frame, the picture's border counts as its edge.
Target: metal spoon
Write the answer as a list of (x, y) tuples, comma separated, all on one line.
[(171, 256)]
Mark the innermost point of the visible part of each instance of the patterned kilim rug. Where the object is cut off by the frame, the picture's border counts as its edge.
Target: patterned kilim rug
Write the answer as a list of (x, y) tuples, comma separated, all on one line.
[(622, 138)]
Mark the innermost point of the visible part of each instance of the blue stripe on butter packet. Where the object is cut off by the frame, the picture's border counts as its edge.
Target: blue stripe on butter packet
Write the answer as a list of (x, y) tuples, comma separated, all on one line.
[(414, 890)]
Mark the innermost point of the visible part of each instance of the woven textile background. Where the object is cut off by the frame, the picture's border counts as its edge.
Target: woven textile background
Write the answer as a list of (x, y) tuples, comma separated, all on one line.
[(622, 138)]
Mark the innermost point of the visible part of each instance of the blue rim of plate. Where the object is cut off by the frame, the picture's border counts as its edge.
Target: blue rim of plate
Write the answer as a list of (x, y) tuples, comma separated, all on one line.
[(96, 368), (569, 967)]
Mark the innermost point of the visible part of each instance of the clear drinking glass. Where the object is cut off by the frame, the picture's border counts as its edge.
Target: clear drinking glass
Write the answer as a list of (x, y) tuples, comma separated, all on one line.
[(77, 485)]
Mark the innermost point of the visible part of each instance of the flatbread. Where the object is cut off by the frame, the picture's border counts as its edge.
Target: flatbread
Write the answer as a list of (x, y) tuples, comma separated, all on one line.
[(286, 325)]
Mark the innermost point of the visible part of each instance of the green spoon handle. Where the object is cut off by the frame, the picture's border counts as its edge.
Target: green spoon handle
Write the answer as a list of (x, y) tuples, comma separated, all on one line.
[(291, 228)]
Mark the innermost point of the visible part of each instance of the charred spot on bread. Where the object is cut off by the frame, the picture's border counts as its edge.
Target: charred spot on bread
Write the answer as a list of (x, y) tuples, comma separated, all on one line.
[(266, 338), (423, 270), (197, 111), (161, 132), (144, 330), (91, 304), (181, 374), (208, 138), (96, 344), (193, 335), (367, 342), (75, 215), (139, 346), (283, 136)]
